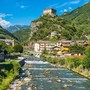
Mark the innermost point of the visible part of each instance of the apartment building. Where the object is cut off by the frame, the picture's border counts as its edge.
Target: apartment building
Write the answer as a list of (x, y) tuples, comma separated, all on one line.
[(39, 46)]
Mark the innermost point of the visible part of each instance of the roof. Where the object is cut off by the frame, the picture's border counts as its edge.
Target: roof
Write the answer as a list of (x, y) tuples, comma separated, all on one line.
[(6, 40), (50, 9)]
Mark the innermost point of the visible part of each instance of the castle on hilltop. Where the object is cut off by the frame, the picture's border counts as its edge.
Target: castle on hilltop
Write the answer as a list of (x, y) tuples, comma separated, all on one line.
[(49, 11)]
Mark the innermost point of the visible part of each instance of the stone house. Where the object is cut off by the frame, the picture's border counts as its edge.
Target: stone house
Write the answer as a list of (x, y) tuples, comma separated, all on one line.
[(8, 42), (53, 33)]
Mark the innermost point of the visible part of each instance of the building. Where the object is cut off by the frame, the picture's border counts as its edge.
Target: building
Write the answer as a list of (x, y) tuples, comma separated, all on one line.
[(57, 48), (83, 42), (36, 47), (62, 45), (53, 33), (67, 43), (41, 45), (8, 42), (49, 11)]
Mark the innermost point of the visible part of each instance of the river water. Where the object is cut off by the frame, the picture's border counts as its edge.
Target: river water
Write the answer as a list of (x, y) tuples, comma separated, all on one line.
[(44, 76)]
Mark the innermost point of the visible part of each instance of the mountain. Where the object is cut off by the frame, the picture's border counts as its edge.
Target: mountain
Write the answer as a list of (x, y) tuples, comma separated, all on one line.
[(81, 18), (17, 27), (6, 34), (73, 25), (22, 35), (51, 28)]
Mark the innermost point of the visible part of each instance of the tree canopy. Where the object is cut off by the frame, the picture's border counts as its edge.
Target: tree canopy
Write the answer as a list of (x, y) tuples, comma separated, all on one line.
[(18, 48)]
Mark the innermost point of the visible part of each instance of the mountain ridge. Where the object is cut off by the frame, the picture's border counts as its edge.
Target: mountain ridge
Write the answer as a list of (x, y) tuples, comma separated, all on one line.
[(22, 35), (14, 28), (6, 34)]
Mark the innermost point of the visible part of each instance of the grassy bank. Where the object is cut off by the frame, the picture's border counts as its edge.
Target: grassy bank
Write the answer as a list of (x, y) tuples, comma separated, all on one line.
[(74, 64), (8, 71), (84, 72)]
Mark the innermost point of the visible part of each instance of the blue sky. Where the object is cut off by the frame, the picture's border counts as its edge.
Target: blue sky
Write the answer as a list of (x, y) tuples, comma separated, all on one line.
[(13, 12)]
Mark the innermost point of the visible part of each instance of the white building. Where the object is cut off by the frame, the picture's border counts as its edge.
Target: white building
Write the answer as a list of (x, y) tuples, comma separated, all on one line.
[(41, 45), (36, 47)]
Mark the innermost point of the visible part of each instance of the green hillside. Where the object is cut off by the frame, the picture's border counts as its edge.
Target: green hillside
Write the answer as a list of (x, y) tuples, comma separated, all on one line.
[(5, 34), (22, 35), (80, 17), (72, 26), (45, 25)]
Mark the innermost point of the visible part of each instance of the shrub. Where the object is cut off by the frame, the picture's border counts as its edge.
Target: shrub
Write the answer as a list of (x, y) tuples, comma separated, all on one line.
[(62, 61), (9, 49), (76, 48), (76, 62), (86, 63), (18, 48), (87, 52), (73, 62), (11, 70)]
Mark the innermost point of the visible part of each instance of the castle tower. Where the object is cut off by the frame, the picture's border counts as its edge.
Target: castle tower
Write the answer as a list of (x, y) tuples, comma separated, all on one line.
[(49, 11)]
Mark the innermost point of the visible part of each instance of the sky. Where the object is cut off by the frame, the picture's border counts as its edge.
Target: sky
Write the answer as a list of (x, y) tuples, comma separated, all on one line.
[(22, 12)]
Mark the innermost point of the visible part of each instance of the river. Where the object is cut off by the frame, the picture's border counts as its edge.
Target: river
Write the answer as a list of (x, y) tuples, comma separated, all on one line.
[(44, 76)]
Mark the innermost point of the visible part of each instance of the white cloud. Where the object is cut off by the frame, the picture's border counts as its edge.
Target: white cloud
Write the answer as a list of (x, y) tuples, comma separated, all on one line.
[(4, 15), (62, 5), (69, 8), (54, 5), (3, 22), (65, 10), (61, 11), (68, 3), (22, 6), (75, 2)]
